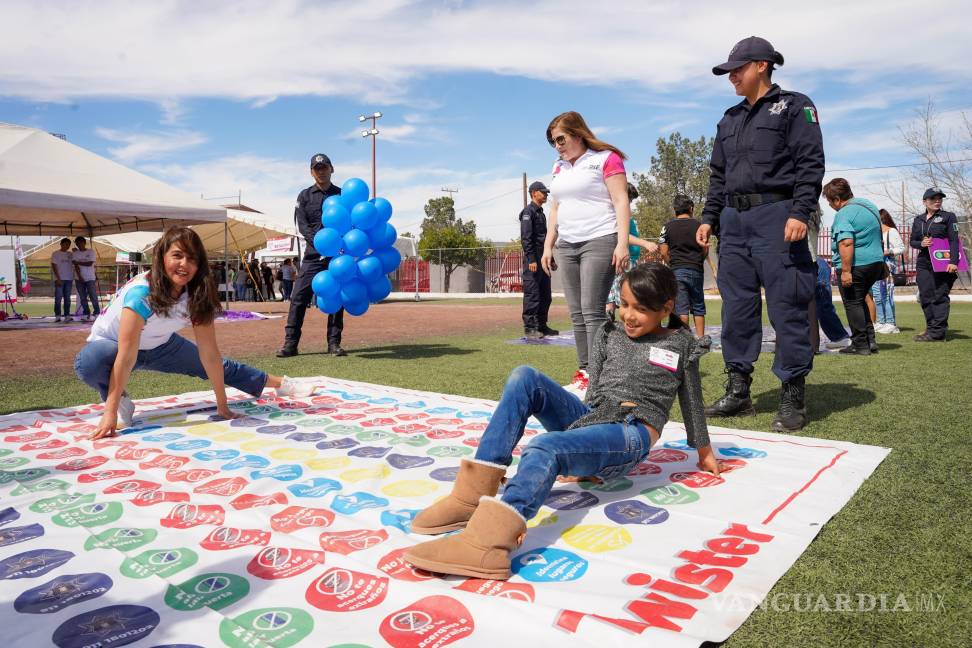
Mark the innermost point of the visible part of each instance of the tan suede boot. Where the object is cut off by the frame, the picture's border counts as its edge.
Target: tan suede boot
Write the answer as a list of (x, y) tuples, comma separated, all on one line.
[(475, 479), (481, 550)]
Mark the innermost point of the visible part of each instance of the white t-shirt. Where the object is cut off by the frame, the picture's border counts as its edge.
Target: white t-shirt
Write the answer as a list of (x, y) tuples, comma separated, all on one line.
[(584, 207), (64, 262), (87, 272), (134, 295)]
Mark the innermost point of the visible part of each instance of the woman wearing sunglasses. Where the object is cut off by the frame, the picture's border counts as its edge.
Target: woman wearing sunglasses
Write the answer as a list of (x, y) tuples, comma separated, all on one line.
[(587, 233)]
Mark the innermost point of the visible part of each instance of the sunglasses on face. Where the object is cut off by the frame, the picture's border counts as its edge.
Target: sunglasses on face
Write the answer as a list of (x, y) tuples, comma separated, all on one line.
[(560, 140)]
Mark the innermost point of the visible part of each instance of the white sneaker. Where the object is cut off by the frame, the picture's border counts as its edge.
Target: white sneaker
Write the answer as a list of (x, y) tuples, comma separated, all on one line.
[(290, 388), (891, 329), (126, 412)]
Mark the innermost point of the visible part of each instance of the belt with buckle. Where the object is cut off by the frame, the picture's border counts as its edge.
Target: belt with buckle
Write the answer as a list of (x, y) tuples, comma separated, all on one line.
[(742, 202)]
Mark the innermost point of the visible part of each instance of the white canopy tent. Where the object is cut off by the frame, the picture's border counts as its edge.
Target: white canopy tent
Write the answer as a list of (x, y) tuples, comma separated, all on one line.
[(49, 187)]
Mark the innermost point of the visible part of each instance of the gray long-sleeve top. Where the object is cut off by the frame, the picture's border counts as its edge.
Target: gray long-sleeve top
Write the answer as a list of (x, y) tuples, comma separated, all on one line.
[(620, 371)]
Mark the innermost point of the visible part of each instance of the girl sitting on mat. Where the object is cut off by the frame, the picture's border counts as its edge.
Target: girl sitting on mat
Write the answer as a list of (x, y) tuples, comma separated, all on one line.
[(637, 368), (138, 331)]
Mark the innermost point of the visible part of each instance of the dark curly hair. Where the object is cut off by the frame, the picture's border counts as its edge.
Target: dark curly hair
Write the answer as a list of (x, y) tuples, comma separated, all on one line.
[(203, 304)]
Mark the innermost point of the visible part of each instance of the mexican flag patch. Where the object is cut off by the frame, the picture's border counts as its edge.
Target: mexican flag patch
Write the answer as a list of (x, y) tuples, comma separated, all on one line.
[(811, 114)]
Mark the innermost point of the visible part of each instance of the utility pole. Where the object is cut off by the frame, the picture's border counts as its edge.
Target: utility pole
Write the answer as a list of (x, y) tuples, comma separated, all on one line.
[(373, 134), (525, 197), (450, 192)]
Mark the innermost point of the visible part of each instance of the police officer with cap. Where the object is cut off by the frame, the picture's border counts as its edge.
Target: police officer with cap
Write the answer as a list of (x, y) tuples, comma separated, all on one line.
[(934, 287), (536, 282), (767, 169), (307, 217)]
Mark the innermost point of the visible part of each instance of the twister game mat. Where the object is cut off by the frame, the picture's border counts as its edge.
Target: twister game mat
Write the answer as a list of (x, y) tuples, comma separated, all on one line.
[(286, 527)]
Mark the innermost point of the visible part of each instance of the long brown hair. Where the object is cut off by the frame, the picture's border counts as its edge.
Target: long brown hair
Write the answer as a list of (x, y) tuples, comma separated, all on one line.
[(203, 303), (886, 219), (573, 124)]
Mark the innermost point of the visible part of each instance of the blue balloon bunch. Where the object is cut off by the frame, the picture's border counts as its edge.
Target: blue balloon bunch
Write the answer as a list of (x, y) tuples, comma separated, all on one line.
[(360, 243)]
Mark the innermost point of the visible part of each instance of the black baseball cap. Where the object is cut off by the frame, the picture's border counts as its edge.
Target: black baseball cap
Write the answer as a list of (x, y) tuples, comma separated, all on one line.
[(538, 186), (932, 192), (749, 49), (320, 159)]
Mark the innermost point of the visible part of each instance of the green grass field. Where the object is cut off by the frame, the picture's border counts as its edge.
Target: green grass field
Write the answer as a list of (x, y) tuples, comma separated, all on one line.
[(907, 530)]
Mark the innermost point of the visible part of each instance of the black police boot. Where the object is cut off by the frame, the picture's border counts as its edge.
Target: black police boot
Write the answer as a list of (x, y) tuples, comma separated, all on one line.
[(336, 350), (287, 351), (792, 416), (546, 330), (736, 399)]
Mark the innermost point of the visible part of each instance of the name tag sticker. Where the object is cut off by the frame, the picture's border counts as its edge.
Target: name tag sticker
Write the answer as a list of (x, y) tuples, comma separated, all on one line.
[(663, 358)]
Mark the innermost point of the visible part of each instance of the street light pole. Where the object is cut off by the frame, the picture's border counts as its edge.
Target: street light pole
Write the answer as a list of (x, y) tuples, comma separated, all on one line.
[(373, 134)]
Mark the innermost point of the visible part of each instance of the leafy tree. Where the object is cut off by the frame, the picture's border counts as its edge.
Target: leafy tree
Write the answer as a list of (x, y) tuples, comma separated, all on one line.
[(680, 166), (447, 240)]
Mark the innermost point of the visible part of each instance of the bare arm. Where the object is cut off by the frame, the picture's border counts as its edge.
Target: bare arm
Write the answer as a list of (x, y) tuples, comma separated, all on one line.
[(129, 333), (546, 261), (212, 362), (617, 186), (846, 249)]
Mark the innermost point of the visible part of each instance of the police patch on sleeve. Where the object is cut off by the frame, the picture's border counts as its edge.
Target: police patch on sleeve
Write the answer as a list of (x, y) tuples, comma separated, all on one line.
[(810, 113)]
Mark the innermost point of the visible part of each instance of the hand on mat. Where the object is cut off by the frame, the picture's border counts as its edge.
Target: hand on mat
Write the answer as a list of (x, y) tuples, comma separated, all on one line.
[(569, 479), (707, 461), (227, 413), (106, 426)]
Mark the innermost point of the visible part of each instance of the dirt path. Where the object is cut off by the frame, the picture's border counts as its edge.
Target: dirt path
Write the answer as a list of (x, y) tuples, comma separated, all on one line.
[(31, 352)]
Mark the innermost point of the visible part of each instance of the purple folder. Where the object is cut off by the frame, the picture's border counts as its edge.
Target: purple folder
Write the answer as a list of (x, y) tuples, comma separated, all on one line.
[(939, 256)]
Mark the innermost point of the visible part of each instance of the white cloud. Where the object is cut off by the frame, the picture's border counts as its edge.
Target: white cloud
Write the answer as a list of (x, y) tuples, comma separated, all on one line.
[(141, 146), (374, 50)]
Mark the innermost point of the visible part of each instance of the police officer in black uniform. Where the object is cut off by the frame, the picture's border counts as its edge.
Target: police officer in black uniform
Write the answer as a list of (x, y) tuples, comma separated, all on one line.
[(536, 282), (767, 168), (934, 287), (307, 217)]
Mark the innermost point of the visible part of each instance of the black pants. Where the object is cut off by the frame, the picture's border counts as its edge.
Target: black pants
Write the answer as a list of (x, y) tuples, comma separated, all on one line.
[(933, 289), (536, 298), (858, 316), (302, 298)]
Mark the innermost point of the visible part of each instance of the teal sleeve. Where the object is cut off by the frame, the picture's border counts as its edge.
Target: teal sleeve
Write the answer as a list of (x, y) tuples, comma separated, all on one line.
[(137, 300)]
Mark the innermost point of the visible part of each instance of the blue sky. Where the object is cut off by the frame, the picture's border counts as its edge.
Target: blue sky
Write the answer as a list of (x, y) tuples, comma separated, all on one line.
[(221, 97)]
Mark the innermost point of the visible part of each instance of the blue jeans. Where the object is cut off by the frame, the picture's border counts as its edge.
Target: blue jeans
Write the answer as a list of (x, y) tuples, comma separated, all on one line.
[(691, 298), (827, 315), (87, 291), (608, 450), (62, 294), (177, 355), (883, 293)]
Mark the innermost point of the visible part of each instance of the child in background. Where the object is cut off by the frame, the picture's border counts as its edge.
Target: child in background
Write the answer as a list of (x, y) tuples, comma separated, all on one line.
[(636, 245), (685, 257)]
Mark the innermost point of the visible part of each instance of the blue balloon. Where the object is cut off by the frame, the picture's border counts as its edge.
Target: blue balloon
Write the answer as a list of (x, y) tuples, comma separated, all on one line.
[(328, 242), (338, 218), (390, 259), (324, 284), (370, 268), (354, 291), (384, 209), (364, 215), (330, 305), (356, 242), (353, 191), (382, 235), (332, 200), (378, 290), (356, 308), (344, 268)]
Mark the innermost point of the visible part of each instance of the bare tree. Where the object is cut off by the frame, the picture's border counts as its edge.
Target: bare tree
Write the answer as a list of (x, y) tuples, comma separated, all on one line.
[(946, 153)]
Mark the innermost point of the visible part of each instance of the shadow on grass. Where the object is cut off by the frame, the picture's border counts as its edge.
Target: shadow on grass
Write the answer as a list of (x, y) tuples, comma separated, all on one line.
[(410, 352), (822, 399)]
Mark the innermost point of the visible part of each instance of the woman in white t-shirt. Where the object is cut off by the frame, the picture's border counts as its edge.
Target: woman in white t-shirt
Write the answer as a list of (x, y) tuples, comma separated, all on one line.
[(587, 230), (138, 331)]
